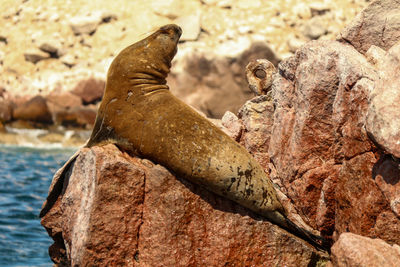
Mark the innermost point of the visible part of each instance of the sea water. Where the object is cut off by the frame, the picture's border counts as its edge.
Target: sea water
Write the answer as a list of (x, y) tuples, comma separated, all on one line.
[(25, 177)]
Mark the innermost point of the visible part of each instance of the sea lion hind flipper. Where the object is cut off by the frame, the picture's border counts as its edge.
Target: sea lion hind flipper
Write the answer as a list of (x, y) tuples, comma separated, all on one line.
[(57, 185), (318, 242)]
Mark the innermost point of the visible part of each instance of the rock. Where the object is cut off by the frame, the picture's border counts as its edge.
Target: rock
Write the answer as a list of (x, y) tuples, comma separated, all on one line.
[(190, 26), (53, 47), (3, 39), (257, 118), (314, 28), (6, 110), (234, 127), (85, 24), (383, 124), (294, 43), (302, 10), (35, 55), (376, 56), (355, 250), (69, 60), (378, 24), (35, 110), (319, 148), (63, 100), (361, 207), (387, 176), (318, 8), (78, 117), (90, 90), (122, 210)]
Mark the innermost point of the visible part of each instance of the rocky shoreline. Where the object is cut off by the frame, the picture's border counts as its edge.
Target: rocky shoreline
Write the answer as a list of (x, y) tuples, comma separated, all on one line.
[(54, 57), (327, 135)]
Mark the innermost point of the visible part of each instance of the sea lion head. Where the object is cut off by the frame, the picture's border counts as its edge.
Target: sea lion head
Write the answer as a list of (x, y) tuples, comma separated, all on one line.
[(143, 66)]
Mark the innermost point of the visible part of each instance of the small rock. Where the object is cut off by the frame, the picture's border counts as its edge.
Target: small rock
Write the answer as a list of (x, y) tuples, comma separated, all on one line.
[(314, 28), (231, 122), (69, 60), (35, 55), (376, 56), (108, 16), (356, 250), (190, 27), (53, 47), (85, 24), (3, 39), (318, 9), (302, 10), (294, 43)]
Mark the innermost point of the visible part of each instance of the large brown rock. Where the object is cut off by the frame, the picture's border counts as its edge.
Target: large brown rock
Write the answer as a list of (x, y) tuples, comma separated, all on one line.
[(35, 110), (121, 210), (313, 141), (355, 250), (378, 24), (383, 124)]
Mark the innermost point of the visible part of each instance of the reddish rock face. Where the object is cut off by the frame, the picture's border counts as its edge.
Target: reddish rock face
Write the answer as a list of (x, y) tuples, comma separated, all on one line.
[(355, 250), (383, 124), (118, 210), (378, 24)]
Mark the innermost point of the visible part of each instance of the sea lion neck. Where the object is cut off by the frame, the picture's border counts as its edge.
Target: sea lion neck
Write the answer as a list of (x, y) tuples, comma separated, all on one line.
[(143, 67)]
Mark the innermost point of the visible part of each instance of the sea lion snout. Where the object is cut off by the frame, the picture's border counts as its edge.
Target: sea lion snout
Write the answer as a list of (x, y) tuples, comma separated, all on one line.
[(172, 29)]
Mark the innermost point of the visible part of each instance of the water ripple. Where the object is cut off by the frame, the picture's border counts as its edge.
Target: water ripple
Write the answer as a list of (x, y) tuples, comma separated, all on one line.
[(25, 176)]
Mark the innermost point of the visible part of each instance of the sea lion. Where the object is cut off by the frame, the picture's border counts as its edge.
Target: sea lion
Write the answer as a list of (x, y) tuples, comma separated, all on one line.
[(139, 114)]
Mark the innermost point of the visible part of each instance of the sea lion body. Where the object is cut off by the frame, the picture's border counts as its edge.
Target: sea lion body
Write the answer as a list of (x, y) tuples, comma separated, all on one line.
[(141, 116), (154, 124)]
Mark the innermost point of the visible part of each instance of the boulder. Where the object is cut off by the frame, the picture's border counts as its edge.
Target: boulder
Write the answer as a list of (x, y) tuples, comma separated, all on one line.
[(90, 90), (123, 210), (35, 110), (383, 124), (378, 24), (355, 250)]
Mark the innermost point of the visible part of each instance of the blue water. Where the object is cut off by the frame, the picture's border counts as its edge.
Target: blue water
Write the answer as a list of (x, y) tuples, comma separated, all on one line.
[(25, 176)]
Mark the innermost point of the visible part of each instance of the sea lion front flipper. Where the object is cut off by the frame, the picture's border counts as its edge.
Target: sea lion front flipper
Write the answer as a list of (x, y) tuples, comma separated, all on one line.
[(57, 185)]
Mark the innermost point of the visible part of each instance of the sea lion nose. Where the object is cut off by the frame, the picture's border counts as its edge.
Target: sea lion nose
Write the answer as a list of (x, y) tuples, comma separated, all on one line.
[(172, 29), (178, 30)]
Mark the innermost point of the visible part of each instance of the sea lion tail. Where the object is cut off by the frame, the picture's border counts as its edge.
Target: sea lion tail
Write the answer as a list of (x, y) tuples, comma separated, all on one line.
[(318, 242)]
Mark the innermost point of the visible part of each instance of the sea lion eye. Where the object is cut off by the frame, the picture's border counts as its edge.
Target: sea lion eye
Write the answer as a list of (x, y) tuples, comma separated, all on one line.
[(259, 73)]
